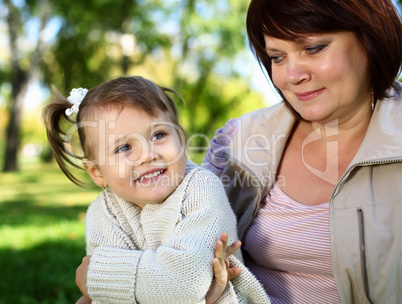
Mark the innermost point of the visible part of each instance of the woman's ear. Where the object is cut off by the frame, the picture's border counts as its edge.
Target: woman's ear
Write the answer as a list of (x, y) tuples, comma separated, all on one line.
[(94, 172)]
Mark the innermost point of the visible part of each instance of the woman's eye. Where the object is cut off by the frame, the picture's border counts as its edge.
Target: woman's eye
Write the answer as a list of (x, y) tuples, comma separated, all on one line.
[(158, 135), (123, 148), (276, 59), (315, 49)]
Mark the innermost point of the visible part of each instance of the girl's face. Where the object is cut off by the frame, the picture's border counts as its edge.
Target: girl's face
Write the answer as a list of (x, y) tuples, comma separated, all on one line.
[(323, 76), (141, 158)]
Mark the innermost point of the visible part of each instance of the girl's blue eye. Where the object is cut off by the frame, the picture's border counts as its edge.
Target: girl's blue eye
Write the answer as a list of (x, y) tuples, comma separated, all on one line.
[(123, 148), (158, 135)]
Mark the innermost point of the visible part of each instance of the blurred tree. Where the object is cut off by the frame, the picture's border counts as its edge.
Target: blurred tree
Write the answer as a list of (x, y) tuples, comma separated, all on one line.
[(96, 40), (81, 55), (22, 68), (185, 44), (212, 52)]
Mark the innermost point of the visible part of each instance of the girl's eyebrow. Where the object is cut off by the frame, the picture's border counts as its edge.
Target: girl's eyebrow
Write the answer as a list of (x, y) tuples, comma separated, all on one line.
[(162, 123), (120, 139)]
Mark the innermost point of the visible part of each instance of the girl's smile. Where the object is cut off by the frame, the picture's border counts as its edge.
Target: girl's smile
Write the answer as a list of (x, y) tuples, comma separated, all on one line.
[(151, 176)]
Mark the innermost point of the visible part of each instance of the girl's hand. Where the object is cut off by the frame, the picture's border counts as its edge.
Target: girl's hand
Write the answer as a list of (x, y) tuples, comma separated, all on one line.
[(81, 278), (222, 270)]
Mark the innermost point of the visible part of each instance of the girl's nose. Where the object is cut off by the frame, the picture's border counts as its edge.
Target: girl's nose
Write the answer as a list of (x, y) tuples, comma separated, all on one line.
[(148, 154), (297, 72)]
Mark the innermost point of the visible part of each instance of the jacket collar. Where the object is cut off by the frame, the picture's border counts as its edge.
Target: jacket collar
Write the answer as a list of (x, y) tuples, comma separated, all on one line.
[(383, 140)]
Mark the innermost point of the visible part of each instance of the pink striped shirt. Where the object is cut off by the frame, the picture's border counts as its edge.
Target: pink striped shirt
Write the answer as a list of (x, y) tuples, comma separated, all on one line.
[(288, 242)]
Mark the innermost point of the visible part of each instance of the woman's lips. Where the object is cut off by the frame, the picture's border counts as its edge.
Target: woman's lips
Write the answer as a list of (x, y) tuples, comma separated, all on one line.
[(308, 95)]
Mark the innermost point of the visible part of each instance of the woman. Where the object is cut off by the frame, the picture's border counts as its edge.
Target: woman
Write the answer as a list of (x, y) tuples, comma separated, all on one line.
[(315, 181)]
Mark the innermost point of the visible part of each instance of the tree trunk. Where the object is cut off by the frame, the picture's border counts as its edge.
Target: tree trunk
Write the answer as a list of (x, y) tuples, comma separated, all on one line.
[(21, 79), (20, 86)]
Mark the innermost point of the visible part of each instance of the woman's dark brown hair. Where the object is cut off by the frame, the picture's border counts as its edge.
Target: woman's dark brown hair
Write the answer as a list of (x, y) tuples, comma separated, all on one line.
[(375, 22), (123, 91)]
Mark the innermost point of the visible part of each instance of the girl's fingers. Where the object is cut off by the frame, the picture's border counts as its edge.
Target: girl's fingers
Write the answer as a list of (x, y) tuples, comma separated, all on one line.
[(229, 250), (220, 276), (224, 240), (233, 272), (219, 252), (232, 248)]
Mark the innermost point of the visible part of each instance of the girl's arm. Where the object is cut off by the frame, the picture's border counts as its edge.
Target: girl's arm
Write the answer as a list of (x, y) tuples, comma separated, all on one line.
[(179, 270), (221, 267)]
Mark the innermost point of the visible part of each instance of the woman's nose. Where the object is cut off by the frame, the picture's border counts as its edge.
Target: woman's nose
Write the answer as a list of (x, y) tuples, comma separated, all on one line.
[(297, 72)]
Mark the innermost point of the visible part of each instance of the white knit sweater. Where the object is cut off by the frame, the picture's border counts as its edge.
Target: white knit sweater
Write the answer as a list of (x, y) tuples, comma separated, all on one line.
[(163, 253)]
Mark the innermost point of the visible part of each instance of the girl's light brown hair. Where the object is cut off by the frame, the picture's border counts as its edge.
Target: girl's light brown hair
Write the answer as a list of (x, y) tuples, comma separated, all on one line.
[(375, 22), (131, 91)]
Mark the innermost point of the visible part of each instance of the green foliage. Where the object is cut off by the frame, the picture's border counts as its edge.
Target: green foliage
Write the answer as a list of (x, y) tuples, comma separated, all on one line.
[(32, 128), (88, 47), (183, 44), (186, 45), (41, 274), (208, 109), (41, 235)]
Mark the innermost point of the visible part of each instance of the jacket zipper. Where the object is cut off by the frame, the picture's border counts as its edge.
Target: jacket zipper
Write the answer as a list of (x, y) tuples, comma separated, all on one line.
[(360, 217)]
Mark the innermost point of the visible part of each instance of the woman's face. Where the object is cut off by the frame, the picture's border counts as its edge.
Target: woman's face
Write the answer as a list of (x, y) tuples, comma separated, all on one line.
[(323, 76)]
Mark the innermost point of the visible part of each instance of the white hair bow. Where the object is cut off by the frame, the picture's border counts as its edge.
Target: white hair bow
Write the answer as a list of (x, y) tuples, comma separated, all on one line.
[(76, 97)]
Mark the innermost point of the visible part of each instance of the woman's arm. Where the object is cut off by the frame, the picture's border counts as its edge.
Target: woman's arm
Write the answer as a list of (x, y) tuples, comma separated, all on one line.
[(81, 277), (83, 300), (214, 159)]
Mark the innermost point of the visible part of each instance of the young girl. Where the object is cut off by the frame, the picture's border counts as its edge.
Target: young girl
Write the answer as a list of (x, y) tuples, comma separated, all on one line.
[(152, 232)]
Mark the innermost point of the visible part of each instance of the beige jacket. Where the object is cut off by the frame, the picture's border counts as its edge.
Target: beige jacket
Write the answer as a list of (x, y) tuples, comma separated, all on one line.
[(365, 206)]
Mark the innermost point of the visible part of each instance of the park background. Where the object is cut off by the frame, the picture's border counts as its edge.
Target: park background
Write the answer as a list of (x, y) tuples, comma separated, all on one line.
[(198, 48)]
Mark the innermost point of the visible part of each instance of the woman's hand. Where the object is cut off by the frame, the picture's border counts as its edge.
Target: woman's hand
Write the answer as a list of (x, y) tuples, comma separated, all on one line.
[(222, 270), (81, 279)]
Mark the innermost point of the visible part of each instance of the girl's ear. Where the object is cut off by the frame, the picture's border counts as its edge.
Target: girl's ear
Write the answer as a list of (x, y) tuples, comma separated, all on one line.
[(94, 172)]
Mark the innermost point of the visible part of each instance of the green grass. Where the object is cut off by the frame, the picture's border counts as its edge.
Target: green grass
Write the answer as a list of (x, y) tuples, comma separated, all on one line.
[(41, 235)]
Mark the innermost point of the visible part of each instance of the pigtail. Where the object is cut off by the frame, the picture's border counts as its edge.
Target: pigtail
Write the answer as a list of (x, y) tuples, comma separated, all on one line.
[(54, 117)]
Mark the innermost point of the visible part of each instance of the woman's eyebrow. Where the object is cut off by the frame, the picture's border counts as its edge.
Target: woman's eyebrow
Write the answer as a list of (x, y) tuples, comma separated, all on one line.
[(269, 49)]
